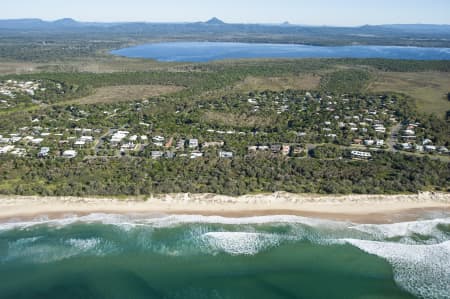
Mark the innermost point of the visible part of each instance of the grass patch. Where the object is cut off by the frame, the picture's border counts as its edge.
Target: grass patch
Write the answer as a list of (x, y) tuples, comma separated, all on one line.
[(237, 120), (299, 82), (428, 89), (124, 93)]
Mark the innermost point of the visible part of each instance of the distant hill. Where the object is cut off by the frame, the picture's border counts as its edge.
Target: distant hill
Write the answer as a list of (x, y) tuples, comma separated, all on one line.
[(215, 21), (71, 23), (419, 28), (217, 30), (67, 22)]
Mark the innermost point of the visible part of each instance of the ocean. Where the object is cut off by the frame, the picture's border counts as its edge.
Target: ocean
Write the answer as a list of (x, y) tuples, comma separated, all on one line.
[(211, 51), (188, 256)]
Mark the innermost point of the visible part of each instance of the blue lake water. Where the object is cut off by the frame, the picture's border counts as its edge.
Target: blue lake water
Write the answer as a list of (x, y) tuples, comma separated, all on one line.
[(210, 51)]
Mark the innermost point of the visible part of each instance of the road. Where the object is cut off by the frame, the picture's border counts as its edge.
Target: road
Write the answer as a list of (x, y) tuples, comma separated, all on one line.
[(392, 140)]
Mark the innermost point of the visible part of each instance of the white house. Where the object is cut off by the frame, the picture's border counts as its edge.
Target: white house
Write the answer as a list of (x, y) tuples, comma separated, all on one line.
[(364, 155), (69, 154), (223, 154), (380, 142), (193, 143), (195, 155), (44, 152), (6, 149), (369, 142)]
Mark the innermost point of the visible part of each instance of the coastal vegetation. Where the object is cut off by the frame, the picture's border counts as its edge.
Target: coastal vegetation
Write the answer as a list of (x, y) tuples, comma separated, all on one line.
[(101, 169), (133, 127)]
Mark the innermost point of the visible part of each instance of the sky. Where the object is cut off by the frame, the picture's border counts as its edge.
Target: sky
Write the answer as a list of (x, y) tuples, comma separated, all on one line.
[(306, 12)]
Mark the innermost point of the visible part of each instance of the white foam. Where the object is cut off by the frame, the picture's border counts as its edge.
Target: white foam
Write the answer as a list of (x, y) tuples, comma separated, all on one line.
[(35, 251), (128, 222), (405, 230), (84, 245), (423, 270), (174, 220), (107, 219), (240, 243)]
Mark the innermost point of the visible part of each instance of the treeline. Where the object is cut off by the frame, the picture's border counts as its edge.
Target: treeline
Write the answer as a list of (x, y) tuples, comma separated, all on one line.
[(391, 65), (56, 48), (387, 173)]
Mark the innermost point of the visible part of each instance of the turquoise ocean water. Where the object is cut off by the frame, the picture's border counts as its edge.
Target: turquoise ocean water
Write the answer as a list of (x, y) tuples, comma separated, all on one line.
[(142, 256)]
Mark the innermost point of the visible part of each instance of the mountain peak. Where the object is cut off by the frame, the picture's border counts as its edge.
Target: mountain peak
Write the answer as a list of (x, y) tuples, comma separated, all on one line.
[(215, 21), (66, 21)]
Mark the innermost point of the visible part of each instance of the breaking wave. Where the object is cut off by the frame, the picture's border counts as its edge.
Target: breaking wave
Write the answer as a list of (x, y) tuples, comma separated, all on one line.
[(423, 270), (240, 243)]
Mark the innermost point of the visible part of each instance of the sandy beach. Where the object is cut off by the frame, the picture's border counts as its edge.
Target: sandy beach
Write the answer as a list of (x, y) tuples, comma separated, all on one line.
[(355, 208)]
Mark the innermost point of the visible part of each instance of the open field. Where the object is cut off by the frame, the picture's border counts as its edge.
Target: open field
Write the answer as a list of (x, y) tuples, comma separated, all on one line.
[(304, 81), (233, 119), (18, 67), (428, 89), (115, 94), (100, 64)]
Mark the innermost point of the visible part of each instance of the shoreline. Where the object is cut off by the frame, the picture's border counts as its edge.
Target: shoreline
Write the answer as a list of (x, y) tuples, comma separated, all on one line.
[(354, 208)]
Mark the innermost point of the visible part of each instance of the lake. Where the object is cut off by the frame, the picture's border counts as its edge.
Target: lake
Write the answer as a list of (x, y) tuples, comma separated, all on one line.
[(211, 51)]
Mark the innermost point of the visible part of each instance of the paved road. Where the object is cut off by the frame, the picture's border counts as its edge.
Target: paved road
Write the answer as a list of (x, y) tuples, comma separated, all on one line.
[(101, 139), (392, 140)]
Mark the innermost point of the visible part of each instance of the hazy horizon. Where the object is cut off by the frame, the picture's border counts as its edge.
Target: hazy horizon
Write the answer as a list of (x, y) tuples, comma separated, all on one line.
[(190, 22), (319, 13)]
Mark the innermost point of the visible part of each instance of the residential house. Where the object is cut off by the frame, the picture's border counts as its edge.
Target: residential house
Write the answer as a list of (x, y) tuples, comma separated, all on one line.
[(430, 148), (380, 142), (406, 146), (69, 154), (369, 142), (253, 148), (170, 155), (157, 154), (213, 144), (6, 149), (43, 152), (193, 143), (223, 154), (361, 155), (195, 155), (180, 144), (275, 148), (427, 141)]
